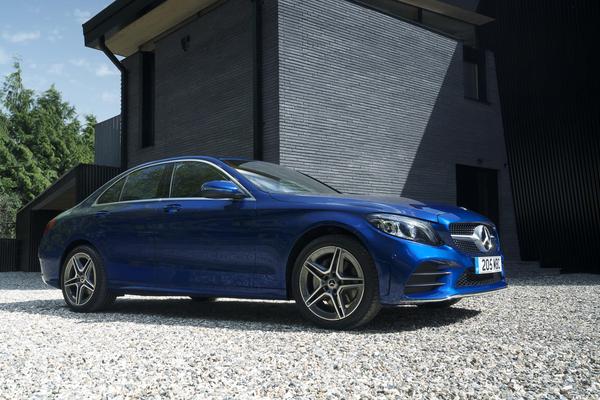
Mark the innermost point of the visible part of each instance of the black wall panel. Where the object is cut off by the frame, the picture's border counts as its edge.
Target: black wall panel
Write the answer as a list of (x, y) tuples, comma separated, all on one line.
[(9, 255), (548, 81), (31, 221)]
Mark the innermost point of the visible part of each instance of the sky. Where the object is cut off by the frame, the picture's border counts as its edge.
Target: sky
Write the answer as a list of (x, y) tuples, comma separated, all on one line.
[(47, 37)]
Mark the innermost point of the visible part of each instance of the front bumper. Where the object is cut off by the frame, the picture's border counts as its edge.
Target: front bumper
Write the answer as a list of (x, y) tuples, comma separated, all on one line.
[(453, 297), (444, 273)]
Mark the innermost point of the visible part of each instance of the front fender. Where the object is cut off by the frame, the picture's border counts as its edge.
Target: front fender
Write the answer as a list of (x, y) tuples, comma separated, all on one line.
[(355, 225)]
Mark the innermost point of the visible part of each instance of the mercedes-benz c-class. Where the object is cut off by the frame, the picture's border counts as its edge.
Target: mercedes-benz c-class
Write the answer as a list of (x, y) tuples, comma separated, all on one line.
[(204, 227)]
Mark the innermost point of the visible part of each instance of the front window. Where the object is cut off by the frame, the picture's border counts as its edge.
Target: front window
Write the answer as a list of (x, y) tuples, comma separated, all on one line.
[(274, 178), (189, 177)]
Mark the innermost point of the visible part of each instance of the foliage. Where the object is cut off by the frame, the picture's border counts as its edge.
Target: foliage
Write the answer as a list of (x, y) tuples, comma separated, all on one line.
[(40, 140)]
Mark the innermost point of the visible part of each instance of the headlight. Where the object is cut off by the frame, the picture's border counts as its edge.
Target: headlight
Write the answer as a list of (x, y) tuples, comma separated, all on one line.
[(405, 228)]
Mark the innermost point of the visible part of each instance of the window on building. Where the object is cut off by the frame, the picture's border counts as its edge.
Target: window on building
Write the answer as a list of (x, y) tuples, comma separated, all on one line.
[(189, 177), (147, 183), (147, 98), (474, 70)]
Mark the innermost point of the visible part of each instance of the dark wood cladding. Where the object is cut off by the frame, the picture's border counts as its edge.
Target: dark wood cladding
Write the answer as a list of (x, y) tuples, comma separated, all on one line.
[(31, 220), (91, 177), (9, 255), (549, 83)]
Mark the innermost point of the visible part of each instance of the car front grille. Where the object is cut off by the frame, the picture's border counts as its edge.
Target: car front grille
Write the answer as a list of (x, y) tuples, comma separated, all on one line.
[(466, 245), (469, 279), (427, 277), (462, 228)]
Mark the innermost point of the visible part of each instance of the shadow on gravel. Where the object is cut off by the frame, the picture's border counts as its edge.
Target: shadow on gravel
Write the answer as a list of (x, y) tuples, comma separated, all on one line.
[(237, 315), (554, 280), (22, 281)]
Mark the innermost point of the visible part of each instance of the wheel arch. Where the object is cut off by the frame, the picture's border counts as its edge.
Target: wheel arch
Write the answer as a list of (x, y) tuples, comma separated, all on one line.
[(310, 235), (72, 245)]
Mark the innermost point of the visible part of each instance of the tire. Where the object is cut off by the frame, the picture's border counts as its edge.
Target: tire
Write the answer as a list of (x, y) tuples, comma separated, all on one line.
[(330, 300), (197, 299), (83, 281), (439, 304)]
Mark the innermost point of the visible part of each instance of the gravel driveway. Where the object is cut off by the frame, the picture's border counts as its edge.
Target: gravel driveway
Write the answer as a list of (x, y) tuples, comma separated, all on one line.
[(540, 338)]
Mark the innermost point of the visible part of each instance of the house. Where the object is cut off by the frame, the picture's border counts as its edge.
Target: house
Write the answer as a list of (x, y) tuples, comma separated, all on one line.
[(386, 96)]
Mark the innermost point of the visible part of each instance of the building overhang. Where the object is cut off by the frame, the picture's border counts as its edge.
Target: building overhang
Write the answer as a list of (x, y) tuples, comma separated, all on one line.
[(448, 10), (127, 25)]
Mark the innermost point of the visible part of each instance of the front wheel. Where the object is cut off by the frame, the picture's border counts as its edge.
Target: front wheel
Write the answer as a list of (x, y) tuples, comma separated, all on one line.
[(335, 283), (83, 281)]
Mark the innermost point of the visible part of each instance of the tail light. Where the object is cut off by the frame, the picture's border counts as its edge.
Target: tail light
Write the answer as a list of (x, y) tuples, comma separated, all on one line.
[(49, 226)]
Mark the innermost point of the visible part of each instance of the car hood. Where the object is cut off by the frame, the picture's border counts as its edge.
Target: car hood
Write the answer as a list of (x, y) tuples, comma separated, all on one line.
[(433, 212)]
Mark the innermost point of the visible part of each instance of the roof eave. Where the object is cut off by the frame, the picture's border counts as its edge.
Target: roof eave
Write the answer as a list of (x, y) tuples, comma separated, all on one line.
[(114, 17)]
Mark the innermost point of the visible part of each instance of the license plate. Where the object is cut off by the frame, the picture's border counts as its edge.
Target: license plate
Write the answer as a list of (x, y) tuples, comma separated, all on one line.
[(488, 265)]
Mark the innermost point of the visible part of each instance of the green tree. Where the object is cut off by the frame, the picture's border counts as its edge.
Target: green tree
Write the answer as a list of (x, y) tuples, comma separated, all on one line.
[(41, 138)]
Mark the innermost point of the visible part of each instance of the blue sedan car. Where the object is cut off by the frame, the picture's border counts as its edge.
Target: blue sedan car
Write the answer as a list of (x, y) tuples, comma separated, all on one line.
[(204, 227)]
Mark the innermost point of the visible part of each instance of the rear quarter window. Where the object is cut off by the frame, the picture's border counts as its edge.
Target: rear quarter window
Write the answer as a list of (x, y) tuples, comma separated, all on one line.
[(113, 193)]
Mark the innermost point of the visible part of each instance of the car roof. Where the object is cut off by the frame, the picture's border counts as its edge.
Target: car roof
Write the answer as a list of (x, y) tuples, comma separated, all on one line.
[(205, 158)]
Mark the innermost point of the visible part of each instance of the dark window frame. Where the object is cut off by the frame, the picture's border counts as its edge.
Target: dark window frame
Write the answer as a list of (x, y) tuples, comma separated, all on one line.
[(147, 98), (478, 58)]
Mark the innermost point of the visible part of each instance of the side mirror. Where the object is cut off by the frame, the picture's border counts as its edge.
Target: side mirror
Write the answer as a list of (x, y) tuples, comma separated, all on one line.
[(221, 190)]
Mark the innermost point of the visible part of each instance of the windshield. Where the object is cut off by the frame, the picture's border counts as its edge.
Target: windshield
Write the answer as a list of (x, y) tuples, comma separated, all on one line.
[(273, 178)]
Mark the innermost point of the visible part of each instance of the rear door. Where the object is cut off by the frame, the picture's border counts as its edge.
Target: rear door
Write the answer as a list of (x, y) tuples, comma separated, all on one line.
[(203, 242), (126, 216)]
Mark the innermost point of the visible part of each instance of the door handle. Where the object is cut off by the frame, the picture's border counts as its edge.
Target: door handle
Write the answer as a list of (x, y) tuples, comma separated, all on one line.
[(102, 214), (172, 208)]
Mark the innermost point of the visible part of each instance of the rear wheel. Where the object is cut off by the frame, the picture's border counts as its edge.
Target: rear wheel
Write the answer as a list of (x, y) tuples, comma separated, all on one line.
[(335, 283), (83, 281)]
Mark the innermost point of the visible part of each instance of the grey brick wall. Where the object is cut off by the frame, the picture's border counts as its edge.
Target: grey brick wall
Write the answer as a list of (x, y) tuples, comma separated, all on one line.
[(204, 97), (370, 103)]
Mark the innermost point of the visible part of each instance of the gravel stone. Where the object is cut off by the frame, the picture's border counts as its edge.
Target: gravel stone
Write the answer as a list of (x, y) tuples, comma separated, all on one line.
[(540, 339)]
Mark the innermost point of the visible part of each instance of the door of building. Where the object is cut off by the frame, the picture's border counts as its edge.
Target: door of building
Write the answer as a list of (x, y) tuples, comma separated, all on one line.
[(477, 190)]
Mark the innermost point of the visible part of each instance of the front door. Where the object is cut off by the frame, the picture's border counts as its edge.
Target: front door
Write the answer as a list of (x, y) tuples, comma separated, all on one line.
[(203, 242)]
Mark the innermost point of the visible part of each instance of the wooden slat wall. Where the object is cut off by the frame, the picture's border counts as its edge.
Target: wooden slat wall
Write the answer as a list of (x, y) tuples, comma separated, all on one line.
[(31, 223), (9, 255), (549, 83)]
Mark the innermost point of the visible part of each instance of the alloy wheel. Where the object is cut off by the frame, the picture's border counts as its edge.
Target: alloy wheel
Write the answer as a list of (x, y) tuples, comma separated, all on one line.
[(332, 283), (80, 279)]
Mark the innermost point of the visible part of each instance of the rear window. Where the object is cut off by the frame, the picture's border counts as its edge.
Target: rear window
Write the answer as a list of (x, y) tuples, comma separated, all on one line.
[(144, 184)]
